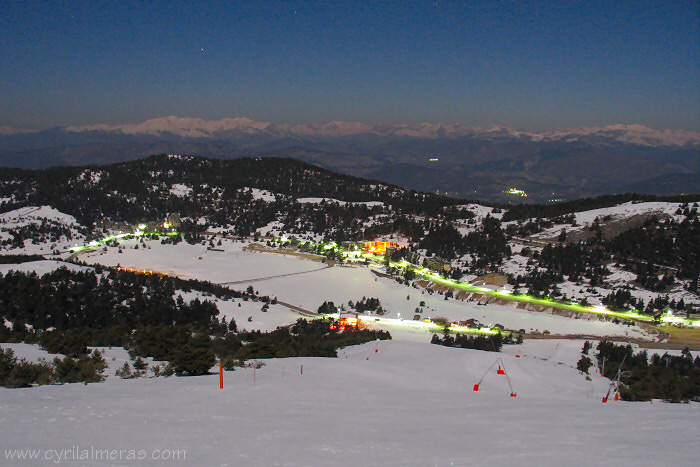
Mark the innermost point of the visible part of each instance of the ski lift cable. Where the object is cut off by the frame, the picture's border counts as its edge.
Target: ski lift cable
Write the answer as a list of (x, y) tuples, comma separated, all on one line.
[(506, 373), (489, 369)]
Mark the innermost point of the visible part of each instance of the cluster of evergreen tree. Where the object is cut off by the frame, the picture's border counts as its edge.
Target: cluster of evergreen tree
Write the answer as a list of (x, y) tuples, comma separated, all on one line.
[(489, 343), (388, 224), (574, 260), (304, 339), (16, 373), (195, 353), (47, 231), (366, 304), (658, 244), (67, 311), (530, 227), (327, 308), (64, 299), (675, 378), (488, 243), (444, 240), (556, 263), (621, 300)]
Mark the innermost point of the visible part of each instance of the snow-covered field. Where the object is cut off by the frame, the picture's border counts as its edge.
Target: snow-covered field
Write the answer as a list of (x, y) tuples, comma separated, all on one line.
[(197, 262), (342, 284), (307, 284), (409, 403)]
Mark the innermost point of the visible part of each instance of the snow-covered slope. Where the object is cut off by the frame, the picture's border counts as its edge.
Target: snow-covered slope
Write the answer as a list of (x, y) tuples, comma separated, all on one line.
[(200, 128), (47, 230), (40, 267), (625, 211), (407, 404), (35, 214)]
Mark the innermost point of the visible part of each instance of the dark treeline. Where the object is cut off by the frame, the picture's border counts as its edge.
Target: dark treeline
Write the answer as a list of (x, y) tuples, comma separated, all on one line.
[(64, 299), (489, 343), (488, 243), (303, 339), (20, 373), (19, 259), (660, 243), (675, 378)]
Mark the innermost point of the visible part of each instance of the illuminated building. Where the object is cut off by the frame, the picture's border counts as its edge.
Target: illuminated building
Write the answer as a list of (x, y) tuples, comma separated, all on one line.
[(378, 248)]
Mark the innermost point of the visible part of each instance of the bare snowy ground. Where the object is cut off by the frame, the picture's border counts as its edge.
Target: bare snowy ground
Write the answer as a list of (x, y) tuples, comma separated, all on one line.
[(408, 404)]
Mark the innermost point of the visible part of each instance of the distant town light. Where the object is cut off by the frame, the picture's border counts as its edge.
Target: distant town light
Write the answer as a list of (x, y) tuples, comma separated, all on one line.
[(516, 191)]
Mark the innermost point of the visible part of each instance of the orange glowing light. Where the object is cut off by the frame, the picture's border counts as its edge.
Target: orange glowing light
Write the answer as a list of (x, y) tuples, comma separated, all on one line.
[(346, 323), (378, 248)]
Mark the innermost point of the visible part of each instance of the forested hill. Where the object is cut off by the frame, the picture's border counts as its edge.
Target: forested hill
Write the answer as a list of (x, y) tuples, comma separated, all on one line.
[(148, 188), (151, 188)]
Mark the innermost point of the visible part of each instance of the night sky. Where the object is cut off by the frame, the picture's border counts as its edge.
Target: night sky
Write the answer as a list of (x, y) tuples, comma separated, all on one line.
[(530, 65)]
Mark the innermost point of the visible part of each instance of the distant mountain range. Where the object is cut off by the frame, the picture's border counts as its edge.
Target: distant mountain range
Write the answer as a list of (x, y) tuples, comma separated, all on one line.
[(458, 160), (233, 128)]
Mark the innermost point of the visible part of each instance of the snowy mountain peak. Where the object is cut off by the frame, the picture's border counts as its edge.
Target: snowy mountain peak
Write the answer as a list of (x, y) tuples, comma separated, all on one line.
[(180, 126), (8, 130), (633, 134), (227, 127)]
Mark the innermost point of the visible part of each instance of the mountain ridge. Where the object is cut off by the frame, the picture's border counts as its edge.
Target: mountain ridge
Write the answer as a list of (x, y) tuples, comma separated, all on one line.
[(188, 127), (457, 160)]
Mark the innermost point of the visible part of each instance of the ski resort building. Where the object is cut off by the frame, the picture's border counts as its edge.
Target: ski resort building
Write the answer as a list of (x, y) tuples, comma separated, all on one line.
[(378, 248), (438, 264)]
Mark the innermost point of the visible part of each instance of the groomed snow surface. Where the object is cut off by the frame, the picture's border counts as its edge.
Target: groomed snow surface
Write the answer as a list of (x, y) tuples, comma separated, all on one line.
[(407, 404)]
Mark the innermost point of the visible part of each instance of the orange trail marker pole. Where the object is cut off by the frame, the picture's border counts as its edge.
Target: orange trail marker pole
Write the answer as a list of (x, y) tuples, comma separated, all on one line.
[(302, 370), (221, 376)]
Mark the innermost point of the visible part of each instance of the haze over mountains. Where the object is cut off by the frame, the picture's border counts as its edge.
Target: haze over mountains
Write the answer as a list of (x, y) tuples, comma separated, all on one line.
[(455, 159)]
